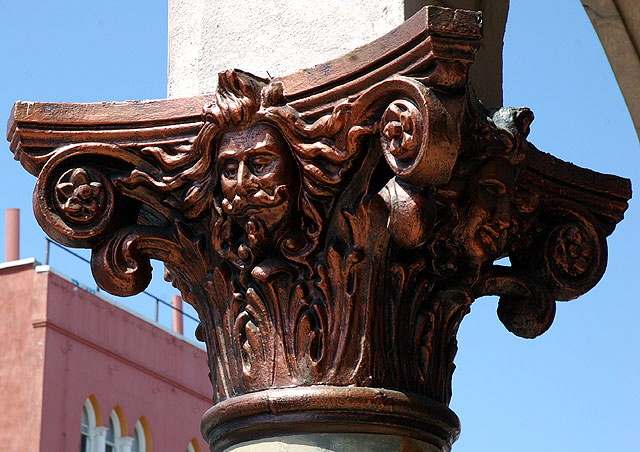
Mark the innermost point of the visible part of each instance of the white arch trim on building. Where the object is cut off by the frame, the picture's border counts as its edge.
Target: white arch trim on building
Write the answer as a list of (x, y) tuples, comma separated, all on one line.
[(110, 438), (88, 427), (139, 443)]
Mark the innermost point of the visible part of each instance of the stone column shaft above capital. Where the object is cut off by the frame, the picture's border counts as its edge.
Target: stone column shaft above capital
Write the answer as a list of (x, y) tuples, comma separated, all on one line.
[(275, 37), (268, 38)]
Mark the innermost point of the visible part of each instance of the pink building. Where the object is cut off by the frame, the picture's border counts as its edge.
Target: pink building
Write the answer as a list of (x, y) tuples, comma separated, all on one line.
[(79, 372)]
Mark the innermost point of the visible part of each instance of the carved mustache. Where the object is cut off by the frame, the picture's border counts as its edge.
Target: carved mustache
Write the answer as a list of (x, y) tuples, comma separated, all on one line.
[(260, 198)]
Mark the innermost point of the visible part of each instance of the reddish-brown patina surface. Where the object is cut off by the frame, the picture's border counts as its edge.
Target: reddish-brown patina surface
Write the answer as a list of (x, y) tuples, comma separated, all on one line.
[(331, 228)]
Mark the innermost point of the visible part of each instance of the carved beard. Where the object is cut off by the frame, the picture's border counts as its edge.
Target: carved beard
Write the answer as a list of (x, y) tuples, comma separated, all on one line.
[(249, 249), (249, 227), (239, 244)]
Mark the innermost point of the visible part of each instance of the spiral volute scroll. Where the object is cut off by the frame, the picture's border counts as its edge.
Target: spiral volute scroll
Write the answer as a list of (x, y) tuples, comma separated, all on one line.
[(526, 306), (569, 255), (420, 133), (119, 265), (80, 201), (402, 133), (420, 138), (74, 199), (576, 257)]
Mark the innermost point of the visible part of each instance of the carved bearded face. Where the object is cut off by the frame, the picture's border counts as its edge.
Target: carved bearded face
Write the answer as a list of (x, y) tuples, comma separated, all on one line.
[(255, 167), (483, 232)]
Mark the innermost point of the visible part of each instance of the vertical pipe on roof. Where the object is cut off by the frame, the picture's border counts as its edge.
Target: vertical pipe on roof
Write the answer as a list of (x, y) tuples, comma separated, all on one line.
[(176, 303), (12, 235)]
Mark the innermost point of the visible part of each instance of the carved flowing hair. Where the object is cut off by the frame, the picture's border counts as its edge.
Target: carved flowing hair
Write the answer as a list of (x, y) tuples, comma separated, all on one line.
[(243, 100)]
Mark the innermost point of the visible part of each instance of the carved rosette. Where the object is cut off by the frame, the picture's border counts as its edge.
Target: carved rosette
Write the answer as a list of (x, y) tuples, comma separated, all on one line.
[(331, 228)]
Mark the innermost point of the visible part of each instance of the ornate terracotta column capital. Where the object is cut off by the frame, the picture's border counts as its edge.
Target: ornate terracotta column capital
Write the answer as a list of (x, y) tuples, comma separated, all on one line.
[(331, 228)]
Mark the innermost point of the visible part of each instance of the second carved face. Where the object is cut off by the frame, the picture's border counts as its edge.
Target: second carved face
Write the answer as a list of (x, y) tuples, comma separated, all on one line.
[(255, 168), (483, 232)]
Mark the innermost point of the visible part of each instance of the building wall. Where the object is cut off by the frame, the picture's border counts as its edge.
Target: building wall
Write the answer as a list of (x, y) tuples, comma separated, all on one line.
[(22, 358), (71, 344)]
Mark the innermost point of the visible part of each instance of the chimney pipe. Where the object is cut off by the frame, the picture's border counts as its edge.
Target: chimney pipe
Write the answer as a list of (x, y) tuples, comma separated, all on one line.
[(176, 303), (12, 236)]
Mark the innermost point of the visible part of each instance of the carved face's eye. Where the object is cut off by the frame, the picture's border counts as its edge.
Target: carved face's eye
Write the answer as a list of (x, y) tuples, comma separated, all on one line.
[(230, 168), (260, 164), (494, 187)]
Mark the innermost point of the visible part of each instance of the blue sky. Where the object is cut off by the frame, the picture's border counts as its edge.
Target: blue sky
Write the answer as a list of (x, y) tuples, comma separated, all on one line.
[(574, 388)]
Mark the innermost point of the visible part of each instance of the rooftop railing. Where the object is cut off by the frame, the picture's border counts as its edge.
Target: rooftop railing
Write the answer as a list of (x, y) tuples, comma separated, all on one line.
[(158, 301)]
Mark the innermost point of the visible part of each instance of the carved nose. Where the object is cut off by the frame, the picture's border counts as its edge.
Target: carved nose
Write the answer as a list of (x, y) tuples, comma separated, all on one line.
[(503, 216), (245, 181)]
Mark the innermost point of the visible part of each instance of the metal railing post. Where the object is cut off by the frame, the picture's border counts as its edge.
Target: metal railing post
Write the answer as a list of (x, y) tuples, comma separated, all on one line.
[(46, 251)]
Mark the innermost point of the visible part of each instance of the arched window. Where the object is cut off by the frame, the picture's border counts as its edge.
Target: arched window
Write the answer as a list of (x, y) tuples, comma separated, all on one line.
[(113, 433), (87, 427), (139, 443)]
